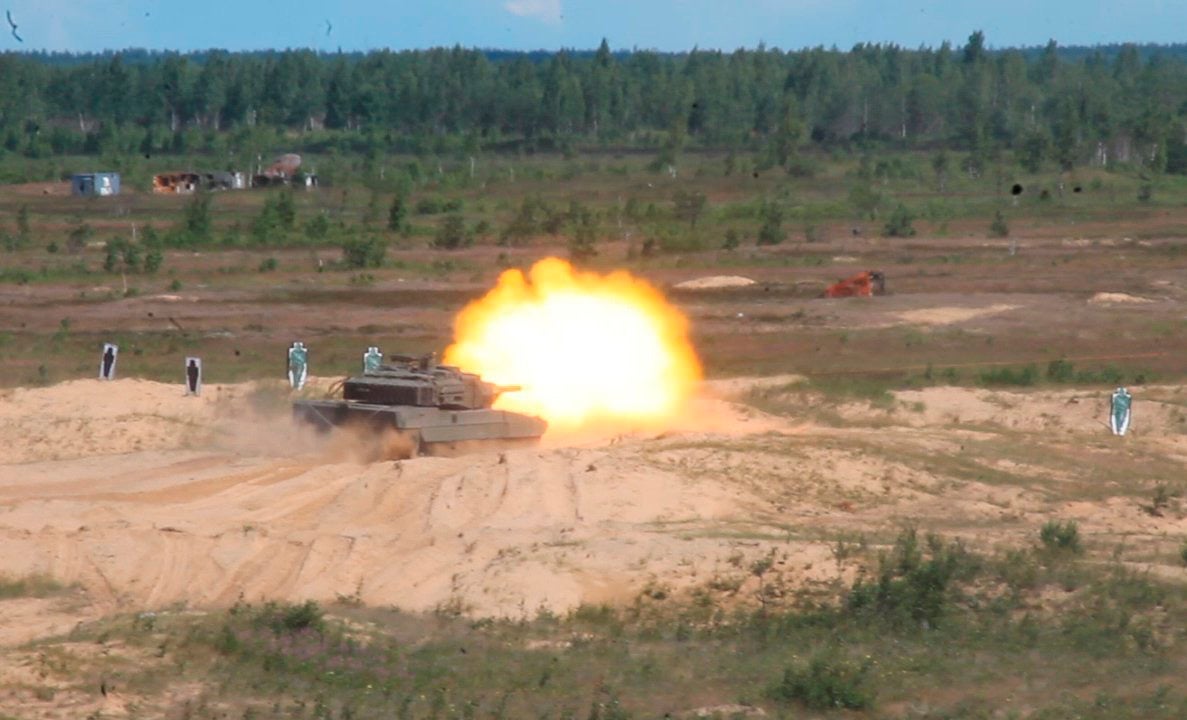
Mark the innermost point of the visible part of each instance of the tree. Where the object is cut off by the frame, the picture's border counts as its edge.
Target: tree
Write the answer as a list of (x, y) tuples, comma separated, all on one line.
[(940, 165), (787, 132), (689, 206), (771, 232), (451, 234), (363, 252), (900, 223), (1033, 151), (196, 222), (396, 214), (584, 228), (23, 233), (998, 227)]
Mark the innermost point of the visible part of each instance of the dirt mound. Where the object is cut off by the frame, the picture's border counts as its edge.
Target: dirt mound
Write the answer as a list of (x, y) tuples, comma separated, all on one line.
[(950, 315), (147, 497), (714, 282), (1106, 298)]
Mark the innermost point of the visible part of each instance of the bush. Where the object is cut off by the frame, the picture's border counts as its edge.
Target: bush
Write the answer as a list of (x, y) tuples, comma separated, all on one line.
[(363, 252), (1061, 536), (282, 619), (771, 232), (900, 223), (268, 265), (451, 234), (318, 227), (396, 214), (153, 259), (1010, 376), (732, 240), (1061, 371), (825, 682), (913, 588), (998, 227), (196, 223), (430, 206)]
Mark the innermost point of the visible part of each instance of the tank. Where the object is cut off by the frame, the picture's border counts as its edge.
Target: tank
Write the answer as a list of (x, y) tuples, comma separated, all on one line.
[(432, 408)]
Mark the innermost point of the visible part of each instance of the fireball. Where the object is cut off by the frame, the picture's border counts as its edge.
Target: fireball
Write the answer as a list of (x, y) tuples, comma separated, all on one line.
[(583, 347)]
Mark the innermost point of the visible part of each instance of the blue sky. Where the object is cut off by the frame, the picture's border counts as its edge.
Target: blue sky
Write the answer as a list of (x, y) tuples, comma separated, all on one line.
[(88, 25)]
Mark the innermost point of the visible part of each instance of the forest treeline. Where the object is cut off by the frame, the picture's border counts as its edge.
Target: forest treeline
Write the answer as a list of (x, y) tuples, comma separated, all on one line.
[(1112, 105)]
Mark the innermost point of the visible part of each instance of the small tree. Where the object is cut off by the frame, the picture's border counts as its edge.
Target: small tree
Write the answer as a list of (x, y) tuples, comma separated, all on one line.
[(998, 227), (583, 242), (196, 222), (23, 233), (363, 252), (865, 199), (286, 209), (689, 206), (123, 256), (771, 232), (79, 237), (940, 165), (1033, 151), (451, 234), (900, 223), (153, 259), (732, 240), (397, 213)]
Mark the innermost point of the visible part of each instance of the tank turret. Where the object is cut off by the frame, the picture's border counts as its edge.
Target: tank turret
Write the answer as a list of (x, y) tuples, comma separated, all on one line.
[(434, 406)]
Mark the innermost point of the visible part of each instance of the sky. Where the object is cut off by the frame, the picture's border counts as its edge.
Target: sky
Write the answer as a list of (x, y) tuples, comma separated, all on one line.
[(668, 25)]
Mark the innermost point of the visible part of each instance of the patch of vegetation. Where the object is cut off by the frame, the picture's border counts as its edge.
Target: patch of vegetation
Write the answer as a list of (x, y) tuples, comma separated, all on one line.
[(935, 624), (1061, 536), (915, 582), (827, 681), (36, 586), (1024, 376)]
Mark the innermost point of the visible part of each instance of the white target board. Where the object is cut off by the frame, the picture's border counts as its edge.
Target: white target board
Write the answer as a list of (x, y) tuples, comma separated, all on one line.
[(107, 361), (193, 376)]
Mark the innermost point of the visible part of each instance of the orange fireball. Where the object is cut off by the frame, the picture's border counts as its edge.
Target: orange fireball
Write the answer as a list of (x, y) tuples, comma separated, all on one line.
[(584, 347)]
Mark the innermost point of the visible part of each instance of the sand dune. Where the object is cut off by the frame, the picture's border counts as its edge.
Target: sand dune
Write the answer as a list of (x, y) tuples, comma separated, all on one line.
[(146, 498), (149, 498)]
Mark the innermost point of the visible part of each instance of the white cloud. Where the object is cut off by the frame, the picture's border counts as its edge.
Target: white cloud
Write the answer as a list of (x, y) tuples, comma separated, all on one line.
[(548, 11)]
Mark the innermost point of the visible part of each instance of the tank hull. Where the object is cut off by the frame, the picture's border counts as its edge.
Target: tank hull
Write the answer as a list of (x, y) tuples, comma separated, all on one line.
[(429, 426)]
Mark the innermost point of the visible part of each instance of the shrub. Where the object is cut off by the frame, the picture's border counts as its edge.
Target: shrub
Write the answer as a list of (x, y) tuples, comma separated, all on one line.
[(998, 227), (1060, 536), (153, 259), (1010, 376), (913, 587), (268, 265), (196, 223), (318, 227), (825, 682), (429, 206), (363, 252), (732, 240), (282, 619), (1061, 371), (451, 234), (397, 213), (900, 223), (771, 232)]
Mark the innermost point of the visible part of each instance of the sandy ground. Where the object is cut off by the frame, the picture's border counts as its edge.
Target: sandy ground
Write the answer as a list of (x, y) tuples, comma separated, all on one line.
[(146, 498), (139, 499)]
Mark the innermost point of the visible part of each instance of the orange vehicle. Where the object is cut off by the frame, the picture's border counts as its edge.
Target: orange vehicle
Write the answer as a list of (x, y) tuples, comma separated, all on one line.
[(864, 284)]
